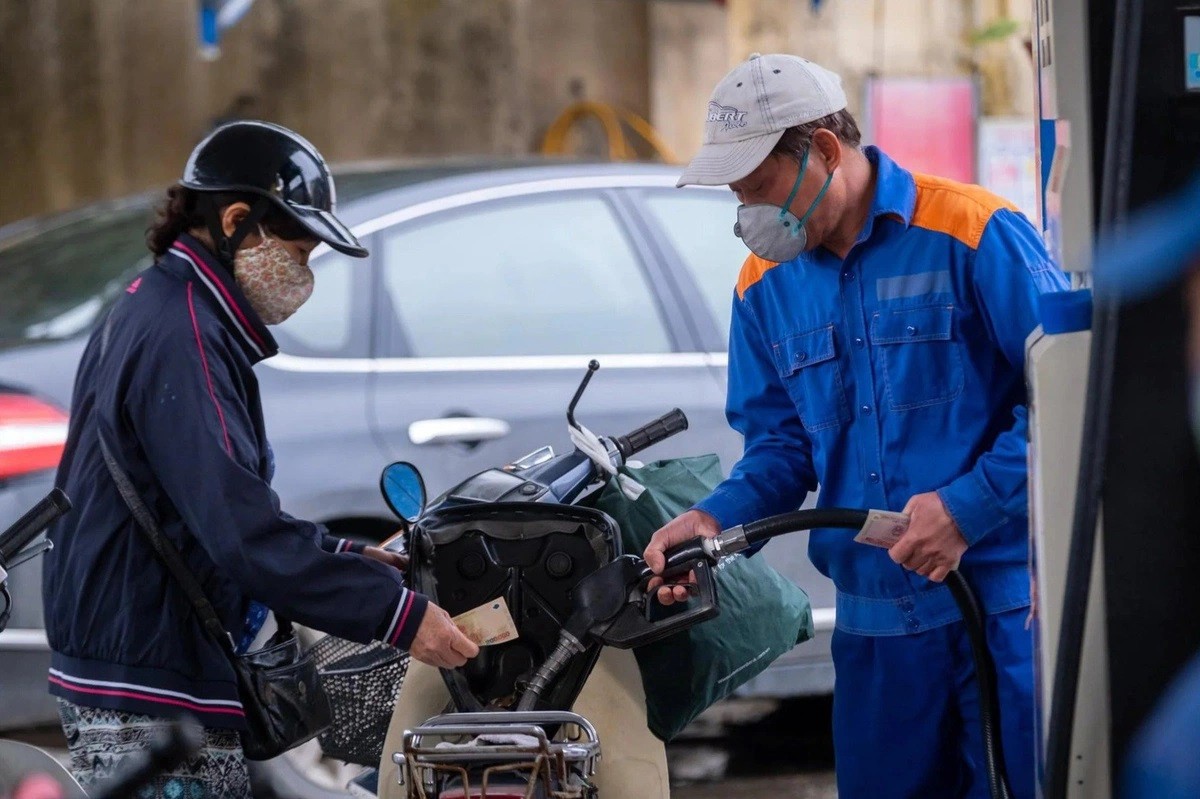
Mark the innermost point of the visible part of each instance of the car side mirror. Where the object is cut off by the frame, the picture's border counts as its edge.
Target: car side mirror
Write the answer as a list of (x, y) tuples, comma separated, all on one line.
[(404, 490)]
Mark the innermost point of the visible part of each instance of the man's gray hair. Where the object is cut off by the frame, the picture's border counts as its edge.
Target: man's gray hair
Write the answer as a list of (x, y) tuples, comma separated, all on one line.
[(796, 140)]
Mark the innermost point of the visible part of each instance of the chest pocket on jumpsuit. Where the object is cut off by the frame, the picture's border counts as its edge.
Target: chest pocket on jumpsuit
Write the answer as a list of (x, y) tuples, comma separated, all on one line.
[(922, 362), (808, 366)]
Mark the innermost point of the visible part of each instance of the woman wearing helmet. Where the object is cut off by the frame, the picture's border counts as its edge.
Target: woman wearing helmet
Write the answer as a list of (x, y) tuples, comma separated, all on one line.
[(166, 383)]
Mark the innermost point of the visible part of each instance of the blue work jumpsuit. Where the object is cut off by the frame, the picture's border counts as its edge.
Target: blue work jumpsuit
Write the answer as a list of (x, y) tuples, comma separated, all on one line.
[(893, 372)]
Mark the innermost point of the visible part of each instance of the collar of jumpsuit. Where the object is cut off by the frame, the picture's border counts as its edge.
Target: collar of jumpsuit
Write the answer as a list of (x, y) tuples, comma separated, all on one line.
[(897, 371)]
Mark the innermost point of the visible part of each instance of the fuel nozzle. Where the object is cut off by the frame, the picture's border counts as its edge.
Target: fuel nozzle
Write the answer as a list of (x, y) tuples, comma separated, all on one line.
[(682, 558)]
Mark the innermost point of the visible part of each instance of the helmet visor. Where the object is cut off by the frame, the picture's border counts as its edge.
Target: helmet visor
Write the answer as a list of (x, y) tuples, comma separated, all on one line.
[(329, 229)]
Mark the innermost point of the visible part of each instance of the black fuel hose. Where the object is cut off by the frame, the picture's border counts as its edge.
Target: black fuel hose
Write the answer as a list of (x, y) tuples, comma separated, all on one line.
[(964, 597)]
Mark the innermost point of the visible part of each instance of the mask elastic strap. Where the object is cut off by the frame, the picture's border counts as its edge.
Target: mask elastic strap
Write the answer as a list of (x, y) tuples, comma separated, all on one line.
[(257, 211), (815, 202), (795, 188), (226, 246)]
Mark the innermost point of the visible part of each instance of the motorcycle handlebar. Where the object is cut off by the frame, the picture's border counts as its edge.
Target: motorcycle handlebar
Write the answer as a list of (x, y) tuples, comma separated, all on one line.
[(652, 433), (27, 528)]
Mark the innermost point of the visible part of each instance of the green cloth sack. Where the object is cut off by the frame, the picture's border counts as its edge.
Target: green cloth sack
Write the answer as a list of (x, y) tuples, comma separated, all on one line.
[(762, 614)]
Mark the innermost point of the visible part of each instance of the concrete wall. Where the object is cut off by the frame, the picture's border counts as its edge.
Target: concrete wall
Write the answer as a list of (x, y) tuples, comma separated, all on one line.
[(102, 98), (689, 53), (694, 44)]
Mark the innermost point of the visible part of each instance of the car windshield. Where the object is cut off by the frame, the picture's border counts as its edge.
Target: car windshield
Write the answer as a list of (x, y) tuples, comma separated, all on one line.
[(55, 280)]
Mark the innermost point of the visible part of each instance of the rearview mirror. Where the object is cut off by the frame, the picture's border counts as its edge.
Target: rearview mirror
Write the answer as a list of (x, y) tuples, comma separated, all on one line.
[(404, 490)]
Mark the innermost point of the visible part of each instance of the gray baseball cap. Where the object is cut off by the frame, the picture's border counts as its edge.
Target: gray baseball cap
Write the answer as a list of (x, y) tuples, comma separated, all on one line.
[(751, 108)]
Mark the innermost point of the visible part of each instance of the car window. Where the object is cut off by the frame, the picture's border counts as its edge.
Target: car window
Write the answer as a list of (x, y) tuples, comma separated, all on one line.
[(699, 225), (552, 275), (323, 325), (57, 277)]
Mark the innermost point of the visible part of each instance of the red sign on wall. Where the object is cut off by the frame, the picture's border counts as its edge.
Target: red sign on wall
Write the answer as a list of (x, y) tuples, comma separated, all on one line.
[(925, 124)]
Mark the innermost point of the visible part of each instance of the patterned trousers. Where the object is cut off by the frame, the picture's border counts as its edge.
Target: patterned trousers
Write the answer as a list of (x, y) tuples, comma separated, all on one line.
[(103, 743)]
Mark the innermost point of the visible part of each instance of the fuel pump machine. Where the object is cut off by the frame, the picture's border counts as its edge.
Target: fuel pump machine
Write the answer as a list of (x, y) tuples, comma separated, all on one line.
[(1114, 478)]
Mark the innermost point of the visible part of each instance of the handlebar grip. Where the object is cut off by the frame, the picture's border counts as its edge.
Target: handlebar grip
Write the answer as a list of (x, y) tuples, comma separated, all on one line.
[(36, 519), (652, 433)]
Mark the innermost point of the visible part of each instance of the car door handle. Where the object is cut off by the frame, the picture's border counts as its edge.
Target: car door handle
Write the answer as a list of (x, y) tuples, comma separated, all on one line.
[(457, 430)]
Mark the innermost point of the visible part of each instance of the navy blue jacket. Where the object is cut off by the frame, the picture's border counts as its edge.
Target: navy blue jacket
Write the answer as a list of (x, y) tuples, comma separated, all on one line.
[(169, 379)]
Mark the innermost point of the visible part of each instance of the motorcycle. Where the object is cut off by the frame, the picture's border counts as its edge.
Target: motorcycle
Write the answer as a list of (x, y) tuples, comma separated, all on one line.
[(517, 537), (22, 765), (516, 541), (26, 770)]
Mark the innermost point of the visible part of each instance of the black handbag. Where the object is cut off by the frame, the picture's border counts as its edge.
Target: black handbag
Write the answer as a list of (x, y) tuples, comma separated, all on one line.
[(280, 690)]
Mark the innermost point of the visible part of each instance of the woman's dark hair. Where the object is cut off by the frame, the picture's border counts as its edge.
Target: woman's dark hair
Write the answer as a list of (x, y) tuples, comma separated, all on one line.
[(796, 140), (179, 212)]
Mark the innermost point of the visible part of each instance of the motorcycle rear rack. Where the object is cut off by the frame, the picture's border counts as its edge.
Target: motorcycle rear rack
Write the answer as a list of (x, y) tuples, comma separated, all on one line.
[(563, 768)]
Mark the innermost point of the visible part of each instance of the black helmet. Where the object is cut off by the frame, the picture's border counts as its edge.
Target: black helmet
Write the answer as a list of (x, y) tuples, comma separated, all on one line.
[(277, 164)]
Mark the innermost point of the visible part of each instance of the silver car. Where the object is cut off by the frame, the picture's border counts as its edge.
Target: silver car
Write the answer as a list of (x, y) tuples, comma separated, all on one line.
[(456, 346)]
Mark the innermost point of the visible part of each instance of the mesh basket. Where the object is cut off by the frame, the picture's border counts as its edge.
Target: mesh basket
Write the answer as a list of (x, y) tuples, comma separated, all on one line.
[(362, 682)]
